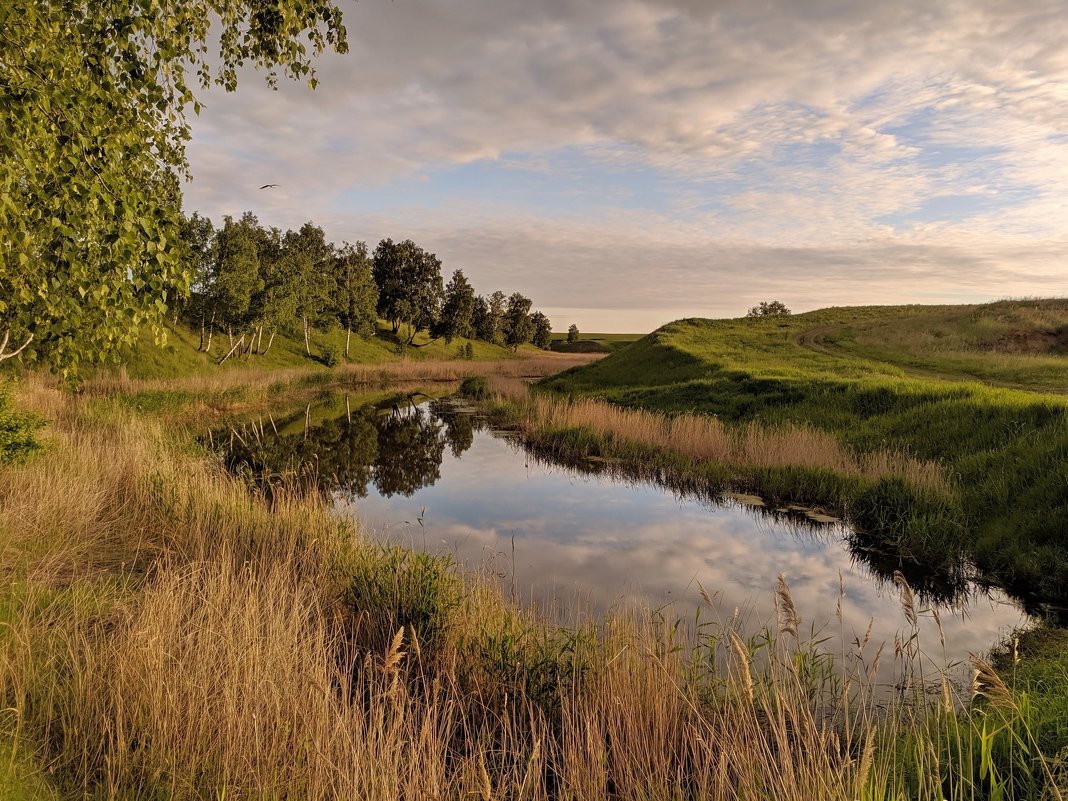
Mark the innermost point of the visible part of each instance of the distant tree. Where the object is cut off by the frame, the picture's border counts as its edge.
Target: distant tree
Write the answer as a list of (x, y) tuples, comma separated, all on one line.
[(480, 319), (307, 262), (572, 333), (409, 285), (457, 310), (518, 327), (357, 294), (543, 330), (235, 276), (497, 302), (768, 308), (273, 306)]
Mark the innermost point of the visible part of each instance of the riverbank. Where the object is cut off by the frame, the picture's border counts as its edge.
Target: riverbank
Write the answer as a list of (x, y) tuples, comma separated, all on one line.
[(170, 634)]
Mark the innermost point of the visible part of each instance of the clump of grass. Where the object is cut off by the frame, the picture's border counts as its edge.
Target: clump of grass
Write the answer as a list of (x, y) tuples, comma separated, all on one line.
[(474, 387)]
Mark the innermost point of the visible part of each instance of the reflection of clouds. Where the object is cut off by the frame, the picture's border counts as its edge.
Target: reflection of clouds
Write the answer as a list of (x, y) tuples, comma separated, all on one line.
[(591, 542)]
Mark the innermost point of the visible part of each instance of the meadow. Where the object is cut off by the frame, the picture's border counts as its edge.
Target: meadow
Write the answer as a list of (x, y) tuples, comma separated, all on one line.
[(169, 634)]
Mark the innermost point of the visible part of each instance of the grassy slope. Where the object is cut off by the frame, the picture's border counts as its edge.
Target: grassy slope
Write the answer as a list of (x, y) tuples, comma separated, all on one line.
[(947, 383), (180, 357)]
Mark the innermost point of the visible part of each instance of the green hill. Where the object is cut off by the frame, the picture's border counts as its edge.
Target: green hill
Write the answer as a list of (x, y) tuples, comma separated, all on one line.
[(979, 388)]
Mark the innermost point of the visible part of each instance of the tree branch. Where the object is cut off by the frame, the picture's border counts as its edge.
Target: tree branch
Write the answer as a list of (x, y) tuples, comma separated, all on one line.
[(17, 351)]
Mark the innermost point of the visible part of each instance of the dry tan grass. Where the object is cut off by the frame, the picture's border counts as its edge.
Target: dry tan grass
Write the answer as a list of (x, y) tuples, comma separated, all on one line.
[(170, 636), (706, 439)]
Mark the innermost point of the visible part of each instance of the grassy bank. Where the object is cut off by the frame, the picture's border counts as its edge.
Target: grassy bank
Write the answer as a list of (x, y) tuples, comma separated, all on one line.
[(181, 355), (167, 634), (870, 378)]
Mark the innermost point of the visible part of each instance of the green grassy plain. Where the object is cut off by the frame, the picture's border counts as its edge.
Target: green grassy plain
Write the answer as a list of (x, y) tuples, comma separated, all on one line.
[(978, 389)]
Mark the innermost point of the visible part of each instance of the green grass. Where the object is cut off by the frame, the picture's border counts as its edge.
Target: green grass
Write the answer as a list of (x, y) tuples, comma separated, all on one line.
[(990, 414), (180, 356)]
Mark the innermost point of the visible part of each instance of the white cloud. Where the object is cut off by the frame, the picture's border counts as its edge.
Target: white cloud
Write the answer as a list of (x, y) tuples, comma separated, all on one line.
[(791, 136)]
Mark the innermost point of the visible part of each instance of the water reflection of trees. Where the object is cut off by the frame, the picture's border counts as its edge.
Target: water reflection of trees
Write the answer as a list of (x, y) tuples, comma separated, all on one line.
[(397, 447)]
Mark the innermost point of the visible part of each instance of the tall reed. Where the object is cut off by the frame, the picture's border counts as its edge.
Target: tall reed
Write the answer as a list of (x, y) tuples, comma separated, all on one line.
[(704, 438)]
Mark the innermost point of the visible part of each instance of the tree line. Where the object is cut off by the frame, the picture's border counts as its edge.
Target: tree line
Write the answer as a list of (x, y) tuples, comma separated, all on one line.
[(251, 282)]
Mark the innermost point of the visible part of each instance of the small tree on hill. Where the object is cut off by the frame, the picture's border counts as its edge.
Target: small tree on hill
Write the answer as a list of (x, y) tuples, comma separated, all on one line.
[(543, 330), (308, 260), (572, 333), (768, 308), (235, 275)]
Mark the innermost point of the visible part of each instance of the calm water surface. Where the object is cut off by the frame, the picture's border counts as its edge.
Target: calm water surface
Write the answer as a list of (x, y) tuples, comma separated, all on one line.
[(433, 476)]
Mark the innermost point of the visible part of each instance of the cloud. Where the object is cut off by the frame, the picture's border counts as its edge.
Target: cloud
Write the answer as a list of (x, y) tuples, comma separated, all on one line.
[(666, 129)]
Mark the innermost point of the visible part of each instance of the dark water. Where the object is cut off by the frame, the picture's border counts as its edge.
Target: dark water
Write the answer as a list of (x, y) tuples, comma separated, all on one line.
[(434, 476)]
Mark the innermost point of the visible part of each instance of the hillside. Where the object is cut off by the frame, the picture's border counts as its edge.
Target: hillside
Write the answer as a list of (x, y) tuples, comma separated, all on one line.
[(978, 388), (180, 355)]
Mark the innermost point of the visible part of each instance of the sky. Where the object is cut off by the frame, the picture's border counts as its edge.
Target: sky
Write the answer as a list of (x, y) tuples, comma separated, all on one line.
[(625, 163)]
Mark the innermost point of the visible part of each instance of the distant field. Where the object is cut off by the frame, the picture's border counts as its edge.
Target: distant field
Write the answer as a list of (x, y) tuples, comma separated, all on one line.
[(981, 389), (592, 343)]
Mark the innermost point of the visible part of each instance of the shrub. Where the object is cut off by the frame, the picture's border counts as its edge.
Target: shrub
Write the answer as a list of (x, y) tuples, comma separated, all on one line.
[(769, 308), (17, 431), (475, 387), (331, 356), (393, 587)]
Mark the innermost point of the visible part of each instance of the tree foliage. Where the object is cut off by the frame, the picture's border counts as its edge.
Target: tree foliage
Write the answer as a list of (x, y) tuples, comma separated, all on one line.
[(457, 309), (518, 327), (17, 431), (409, 285), (357, 294), (543, 330), (235, 274), (487, 318), (308, 259), (572, 333), (93, 97), (768, 308)]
